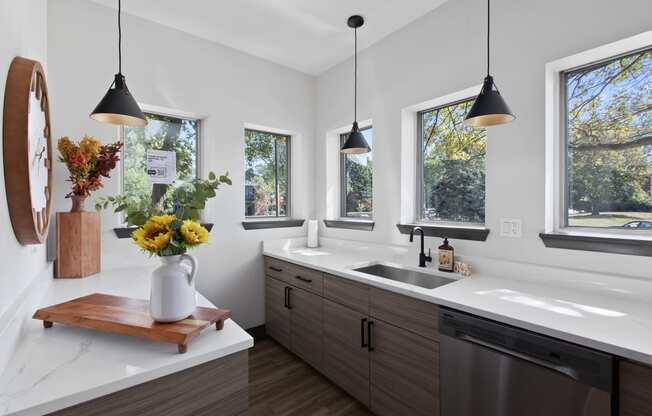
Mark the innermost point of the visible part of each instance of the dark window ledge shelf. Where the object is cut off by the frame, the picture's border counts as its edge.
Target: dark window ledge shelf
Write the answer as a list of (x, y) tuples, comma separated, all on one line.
[(351, 224), (448, 231), (604, 244), (265, 224), (125, 232)]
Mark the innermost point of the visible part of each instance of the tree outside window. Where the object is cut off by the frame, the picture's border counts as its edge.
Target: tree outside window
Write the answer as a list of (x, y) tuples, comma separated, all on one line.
[(267, 169), (356, 191), (451, 166), (608, 120), (162, 132)]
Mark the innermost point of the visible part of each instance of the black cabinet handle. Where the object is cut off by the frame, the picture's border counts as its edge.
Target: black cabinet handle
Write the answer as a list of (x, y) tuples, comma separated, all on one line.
[(303, 279), (363, 321), (276, 269), (285, 297), (289, 305), (370, 325)]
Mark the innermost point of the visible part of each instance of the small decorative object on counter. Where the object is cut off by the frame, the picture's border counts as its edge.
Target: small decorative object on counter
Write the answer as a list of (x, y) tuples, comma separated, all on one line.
[(462, 268), (78, 231), (168, 229), (446, 257)]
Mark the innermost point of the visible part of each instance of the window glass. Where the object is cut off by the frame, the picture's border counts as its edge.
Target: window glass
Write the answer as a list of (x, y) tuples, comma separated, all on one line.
[(267, 171), (608, 119), (170, 133), (356, 191), (451, 166)]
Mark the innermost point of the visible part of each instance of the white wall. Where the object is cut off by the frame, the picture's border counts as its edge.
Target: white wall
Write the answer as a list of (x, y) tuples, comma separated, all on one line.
[(169, 68), (22, 33), (444, 52)]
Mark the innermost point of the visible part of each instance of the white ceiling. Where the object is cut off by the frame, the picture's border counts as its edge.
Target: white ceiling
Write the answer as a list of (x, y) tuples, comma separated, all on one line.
[(308, 35)]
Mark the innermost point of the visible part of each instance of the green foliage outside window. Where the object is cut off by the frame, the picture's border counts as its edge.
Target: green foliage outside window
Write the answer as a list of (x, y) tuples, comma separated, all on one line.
[(357, 187)]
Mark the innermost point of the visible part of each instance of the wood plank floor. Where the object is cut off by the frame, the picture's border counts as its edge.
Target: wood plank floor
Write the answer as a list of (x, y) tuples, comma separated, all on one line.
[(280, 384)]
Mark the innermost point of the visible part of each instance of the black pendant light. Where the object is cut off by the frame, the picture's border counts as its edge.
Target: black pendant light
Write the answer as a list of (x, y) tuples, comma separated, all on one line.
[(355, 143), (118, 105), (489, 108)]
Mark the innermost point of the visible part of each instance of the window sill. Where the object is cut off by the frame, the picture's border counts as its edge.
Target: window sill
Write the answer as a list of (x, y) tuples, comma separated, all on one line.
[(125, 232), (456, 232), (599, 242), (361, 225), (265, 224)]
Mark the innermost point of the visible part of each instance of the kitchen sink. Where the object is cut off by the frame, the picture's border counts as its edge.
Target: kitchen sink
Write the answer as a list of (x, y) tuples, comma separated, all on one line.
[(411, 277)]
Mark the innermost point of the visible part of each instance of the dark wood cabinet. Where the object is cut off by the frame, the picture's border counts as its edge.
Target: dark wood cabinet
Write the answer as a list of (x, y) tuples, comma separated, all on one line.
[(404, 372), (635, 389), (346, 355), (277, 315), (306, 313), (379, 346)]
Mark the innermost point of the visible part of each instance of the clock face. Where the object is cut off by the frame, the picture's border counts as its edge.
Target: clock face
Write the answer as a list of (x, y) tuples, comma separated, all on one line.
[(27, 151)]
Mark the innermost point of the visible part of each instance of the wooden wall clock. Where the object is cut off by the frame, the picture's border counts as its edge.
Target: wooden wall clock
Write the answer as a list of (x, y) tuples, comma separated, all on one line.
[(27, 148)]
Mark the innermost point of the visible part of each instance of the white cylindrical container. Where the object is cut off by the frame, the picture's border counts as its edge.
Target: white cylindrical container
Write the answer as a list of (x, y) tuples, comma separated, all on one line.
[(313, 234)]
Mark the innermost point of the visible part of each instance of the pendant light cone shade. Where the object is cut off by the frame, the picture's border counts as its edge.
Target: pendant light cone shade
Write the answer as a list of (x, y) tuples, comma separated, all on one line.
[(355, 143), (119, 107), (489, 108)]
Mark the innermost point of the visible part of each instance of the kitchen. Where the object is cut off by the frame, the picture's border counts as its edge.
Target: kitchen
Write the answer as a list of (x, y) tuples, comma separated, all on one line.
[(326, 257)]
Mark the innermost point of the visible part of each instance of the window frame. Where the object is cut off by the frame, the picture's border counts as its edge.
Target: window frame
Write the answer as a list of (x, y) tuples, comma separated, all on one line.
[(565, 188), (181, 115), (288, 209), (419, 183), (343, 216)]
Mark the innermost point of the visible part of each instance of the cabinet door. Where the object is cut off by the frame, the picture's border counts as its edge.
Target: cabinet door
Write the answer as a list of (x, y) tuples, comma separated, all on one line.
[(635, 389), (277, 316), (404, 372), (346, 359), (415, 315), (306, 312)]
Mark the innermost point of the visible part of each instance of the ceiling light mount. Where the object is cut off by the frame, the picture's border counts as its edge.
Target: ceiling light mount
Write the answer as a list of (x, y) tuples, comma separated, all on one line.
[(355, 21)]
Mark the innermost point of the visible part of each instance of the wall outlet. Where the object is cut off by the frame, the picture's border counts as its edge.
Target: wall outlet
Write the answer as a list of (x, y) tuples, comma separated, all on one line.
[(511, 227)]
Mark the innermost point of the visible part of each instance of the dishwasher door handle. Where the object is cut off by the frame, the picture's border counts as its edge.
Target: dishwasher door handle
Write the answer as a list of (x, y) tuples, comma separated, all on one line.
[(567, 371)]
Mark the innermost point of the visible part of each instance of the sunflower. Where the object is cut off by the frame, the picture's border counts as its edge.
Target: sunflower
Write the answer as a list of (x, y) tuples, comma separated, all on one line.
[(193, 233), (155, 234)]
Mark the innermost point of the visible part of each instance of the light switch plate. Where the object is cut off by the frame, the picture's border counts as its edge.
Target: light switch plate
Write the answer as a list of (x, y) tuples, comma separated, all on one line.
[(511, 227)]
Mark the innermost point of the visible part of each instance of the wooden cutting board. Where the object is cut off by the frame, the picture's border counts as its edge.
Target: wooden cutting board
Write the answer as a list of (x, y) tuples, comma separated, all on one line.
[(129, 316)]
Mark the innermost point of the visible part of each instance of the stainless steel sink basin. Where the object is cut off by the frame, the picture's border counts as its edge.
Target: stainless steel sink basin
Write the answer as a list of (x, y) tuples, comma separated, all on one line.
[(411, 277)]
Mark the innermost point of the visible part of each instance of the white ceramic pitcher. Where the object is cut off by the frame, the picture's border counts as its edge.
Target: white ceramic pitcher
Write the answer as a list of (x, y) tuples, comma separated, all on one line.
[(172, 297)]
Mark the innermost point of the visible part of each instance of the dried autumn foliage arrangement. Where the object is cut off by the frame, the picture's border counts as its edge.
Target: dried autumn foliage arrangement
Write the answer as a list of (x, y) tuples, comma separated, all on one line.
[(88, 162)]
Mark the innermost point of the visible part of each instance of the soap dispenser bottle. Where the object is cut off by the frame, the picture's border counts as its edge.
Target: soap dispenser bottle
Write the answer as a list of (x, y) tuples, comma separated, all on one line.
[(446, 257)]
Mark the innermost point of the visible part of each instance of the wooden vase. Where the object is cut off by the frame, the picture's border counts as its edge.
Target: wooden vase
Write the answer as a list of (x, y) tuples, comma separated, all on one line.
[(78, 242)]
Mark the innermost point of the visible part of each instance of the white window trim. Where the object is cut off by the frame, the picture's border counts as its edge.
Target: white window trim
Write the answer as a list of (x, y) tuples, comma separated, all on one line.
[(293, 139), (334, 174), (409, 165), (555, 169)]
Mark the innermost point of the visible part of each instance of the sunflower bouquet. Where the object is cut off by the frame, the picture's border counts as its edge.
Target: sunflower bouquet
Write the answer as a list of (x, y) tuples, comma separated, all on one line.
[(166, 235)]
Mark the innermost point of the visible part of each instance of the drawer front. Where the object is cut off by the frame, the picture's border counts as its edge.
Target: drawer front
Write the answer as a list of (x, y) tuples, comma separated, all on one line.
[(347, 293), (405, 369), (414, 315), (635, 389), (301, 277)]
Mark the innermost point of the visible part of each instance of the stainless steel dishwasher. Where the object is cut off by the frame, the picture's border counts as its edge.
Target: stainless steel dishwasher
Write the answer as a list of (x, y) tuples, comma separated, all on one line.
[(491, 369)]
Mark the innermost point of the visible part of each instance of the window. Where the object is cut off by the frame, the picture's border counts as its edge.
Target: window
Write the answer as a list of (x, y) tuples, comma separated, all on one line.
[(356, 171), (163, 132), (451, 166), (608, 143), (267, 173)]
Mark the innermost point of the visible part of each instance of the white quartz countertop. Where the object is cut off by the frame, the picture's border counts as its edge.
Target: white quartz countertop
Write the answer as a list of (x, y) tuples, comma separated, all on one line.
[(606, 313), (62, 366)]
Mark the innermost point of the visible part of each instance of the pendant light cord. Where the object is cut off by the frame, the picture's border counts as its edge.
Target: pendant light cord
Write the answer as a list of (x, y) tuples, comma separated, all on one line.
[(355, 78), (488, 32), (119, 38)]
